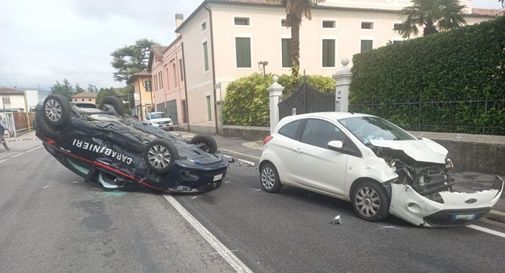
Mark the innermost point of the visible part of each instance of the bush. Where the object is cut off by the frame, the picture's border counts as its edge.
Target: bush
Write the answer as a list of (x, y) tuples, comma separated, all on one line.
[(247, 101), (466, 64)]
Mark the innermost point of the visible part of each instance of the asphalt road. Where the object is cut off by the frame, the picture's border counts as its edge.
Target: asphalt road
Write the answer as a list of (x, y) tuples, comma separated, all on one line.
[(51, 221)]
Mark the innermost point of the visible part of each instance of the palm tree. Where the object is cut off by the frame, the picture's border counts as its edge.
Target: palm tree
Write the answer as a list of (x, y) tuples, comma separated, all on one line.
[(295, 11), (433, 15)]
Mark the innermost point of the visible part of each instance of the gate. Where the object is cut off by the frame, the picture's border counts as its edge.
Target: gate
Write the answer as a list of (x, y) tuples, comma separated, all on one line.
[(306, 99)]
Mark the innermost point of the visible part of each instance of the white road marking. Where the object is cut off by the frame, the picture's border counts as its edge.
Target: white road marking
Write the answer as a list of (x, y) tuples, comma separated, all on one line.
[(487, 230), (475, 227), (242, 154), (226, 253), (19, 154)]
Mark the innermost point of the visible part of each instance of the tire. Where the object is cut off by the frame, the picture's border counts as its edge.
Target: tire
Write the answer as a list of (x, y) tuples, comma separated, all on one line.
[(160, 156), (206, 143), (116, 103), (56, 110), (370, 201), (269, 178)]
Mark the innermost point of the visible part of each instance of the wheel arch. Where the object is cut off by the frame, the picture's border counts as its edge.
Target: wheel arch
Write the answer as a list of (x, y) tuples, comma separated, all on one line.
[(356, 182)]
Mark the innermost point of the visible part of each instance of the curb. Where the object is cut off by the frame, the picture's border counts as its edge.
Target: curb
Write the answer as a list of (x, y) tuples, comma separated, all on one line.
[(496, 216)]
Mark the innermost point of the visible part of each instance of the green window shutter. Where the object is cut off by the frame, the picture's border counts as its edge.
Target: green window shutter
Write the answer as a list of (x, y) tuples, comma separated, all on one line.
[(366, 45), (328, 53), (243, 51), (205, 56), (286, 52)]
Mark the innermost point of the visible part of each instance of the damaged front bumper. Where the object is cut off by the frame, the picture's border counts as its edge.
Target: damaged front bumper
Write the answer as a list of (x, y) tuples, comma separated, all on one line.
[(454, 208)]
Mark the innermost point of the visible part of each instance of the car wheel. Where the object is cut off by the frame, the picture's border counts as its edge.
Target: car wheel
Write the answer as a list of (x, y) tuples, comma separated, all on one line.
[(269, 178), (370, 201), (56, 109), (160, 156), (116, 103), (205, 142)]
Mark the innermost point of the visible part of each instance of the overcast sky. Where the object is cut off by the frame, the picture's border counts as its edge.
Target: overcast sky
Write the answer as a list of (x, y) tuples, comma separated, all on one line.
[(42, 41)]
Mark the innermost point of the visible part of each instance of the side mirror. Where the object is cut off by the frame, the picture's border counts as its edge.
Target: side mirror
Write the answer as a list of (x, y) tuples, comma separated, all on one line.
[(336, 145)]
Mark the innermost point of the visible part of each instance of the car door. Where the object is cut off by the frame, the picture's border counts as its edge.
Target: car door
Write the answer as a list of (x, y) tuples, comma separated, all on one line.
[(283, 146), (317, 166)]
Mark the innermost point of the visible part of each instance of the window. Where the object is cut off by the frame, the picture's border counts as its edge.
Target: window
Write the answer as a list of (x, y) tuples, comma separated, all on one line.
[(241, 21), (366, 25), (284, 23), (161, 79), (205, 57), (290, 130), (204, 26), (328, 53), (319, 133), (175, 74), (374, 128), (397, 41), (286, 52), (147, 85), (397, 26), (328, 24), (181, 68), (168, 81), (366, 45), (209, 110), (155, 82), (243, 51), (6, 101)]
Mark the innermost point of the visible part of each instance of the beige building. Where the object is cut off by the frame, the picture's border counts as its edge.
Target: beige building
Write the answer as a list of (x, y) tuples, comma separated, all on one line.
[(87, 97), (167, 69), (142, 93), (223, 40), (18, 100)]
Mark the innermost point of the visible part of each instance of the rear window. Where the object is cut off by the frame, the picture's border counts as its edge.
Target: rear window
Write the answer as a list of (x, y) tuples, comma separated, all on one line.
[(290, 129)]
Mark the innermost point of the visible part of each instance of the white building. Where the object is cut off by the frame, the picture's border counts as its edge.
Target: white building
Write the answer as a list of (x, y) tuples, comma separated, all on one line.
[(223, 40)]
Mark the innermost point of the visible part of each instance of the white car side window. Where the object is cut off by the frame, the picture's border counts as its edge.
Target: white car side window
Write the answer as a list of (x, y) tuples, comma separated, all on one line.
[(319, 133)]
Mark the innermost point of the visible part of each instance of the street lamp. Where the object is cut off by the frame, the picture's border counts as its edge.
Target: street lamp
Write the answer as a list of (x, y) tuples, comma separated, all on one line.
[(263, 63)]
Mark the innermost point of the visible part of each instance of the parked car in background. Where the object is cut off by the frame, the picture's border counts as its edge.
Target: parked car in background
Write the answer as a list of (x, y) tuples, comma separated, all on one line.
[(160, 120), (373, 163)]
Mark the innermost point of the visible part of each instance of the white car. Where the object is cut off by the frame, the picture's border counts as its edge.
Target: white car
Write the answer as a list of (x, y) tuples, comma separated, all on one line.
[(373, 163), (161, 120)]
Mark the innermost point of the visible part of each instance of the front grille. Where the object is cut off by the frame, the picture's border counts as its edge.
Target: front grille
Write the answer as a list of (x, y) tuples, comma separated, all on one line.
[(450, 217)]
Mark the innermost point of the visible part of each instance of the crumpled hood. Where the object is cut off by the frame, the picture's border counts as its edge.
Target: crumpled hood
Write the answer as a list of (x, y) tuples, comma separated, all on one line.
[(424, 150)]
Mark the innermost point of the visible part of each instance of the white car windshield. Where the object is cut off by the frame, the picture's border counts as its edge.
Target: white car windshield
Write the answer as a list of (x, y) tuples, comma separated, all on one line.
[(157, 115), (374, 128)]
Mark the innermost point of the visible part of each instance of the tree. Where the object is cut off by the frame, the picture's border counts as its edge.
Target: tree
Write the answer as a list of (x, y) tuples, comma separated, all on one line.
[(131, 59), (502, 2), (78, 88), (104, 92), (92, 88), (64, 89), (295, 11), (432, 15)]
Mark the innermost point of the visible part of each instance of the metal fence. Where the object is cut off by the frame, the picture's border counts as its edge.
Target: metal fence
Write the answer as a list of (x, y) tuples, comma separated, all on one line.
[(306, 99), (464, 116)]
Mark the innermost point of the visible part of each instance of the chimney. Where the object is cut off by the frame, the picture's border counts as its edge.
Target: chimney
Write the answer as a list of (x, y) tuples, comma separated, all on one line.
[(179, 18)]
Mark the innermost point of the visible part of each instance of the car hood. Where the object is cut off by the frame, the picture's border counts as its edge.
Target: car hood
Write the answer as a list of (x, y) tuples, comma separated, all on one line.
[(423, 150)]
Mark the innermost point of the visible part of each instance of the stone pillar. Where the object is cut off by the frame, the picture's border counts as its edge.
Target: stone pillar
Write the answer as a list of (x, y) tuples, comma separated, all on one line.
[(274, 91), (343, 81)]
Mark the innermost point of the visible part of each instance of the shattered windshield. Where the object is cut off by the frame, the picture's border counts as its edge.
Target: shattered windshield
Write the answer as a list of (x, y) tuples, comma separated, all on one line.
[(374, 128)]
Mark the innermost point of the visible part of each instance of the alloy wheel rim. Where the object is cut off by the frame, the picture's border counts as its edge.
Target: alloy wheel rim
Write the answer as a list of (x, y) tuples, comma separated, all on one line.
[(53, 110), (367, 201), (159, 156), (268, 178)]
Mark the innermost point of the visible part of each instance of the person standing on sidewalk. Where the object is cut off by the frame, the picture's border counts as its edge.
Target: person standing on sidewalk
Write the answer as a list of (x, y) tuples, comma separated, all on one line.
[(3, 128)]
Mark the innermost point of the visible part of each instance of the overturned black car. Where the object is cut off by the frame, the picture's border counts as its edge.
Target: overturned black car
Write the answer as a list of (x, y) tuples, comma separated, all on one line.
[(120, 152)]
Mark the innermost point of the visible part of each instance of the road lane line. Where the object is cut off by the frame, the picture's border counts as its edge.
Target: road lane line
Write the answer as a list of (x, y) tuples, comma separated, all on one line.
[(487, 230), (226, 253), (242, 154), (19, 154)]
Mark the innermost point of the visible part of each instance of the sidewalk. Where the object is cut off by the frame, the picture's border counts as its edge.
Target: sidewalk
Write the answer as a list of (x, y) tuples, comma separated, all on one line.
[(19, 144), (466, 181)]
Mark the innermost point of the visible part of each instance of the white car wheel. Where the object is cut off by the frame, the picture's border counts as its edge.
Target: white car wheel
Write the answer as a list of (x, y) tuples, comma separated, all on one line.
[(370, 201), (269, 178)]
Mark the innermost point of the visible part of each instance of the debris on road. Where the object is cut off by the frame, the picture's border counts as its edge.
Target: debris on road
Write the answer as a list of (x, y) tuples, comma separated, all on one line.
[(255, 189), (337, 220), (229, 158)]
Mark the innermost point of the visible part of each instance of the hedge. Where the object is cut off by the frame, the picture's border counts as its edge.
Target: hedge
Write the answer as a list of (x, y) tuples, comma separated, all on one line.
[(247, 101), (451, 81)]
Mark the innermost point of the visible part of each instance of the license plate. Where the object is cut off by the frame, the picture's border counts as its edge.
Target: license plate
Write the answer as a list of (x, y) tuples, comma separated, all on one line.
[(218, 177), (466, 217)]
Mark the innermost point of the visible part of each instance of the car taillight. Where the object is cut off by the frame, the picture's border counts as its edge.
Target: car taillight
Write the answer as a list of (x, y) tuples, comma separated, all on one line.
[(267, 139)]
